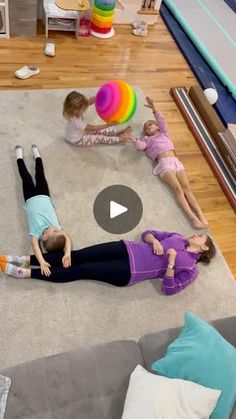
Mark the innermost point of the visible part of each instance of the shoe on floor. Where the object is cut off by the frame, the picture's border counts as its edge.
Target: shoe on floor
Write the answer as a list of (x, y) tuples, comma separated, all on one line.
[(140, 32), (139, 24), (26, 72), (50, 49)]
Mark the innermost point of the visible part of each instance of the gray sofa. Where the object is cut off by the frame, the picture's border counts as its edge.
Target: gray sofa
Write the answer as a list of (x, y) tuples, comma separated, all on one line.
[(90, 383)]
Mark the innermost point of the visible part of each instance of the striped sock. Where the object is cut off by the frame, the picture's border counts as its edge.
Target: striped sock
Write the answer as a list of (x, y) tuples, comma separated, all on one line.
[(13, 270), (16, 260)]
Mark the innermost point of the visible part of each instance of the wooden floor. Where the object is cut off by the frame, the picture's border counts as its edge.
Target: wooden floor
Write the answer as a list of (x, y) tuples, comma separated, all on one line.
[(153, 63)]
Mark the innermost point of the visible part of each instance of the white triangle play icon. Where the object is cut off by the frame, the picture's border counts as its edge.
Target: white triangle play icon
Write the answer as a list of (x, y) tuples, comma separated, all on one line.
[(116, 209)]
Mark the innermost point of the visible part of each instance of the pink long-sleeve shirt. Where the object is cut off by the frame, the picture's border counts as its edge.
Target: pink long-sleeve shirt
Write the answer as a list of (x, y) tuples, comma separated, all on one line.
[(144, 264), (156, 144)]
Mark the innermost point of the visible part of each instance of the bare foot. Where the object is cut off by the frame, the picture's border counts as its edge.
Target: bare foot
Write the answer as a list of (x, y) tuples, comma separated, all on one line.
[(126, 134), (197, 223), (126, 129), (203, 220)]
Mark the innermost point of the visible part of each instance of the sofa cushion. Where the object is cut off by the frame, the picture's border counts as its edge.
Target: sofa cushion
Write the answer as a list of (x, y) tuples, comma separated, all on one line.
[(90, 383), (154, 345), (202, 355)]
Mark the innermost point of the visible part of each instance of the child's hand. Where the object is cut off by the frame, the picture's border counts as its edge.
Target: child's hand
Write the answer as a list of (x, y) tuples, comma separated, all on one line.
[(44, 266), (126, 135), (91, 100), (66, 261), (150, 103), (157, 248)]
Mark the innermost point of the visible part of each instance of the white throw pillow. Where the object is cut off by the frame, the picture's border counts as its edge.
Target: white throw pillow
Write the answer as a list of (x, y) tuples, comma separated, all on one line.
[(152, 396)]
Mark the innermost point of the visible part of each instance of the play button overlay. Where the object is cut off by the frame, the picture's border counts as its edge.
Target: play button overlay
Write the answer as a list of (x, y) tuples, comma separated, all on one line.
[(118, 209)]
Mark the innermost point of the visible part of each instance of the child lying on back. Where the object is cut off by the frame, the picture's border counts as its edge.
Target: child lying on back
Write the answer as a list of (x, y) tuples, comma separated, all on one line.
[(159, 147)]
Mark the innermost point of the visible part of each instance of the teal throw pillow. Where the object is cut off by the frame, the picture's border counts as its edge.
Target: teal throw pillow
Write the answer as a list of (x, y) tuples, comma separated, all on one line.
[(200, 354)]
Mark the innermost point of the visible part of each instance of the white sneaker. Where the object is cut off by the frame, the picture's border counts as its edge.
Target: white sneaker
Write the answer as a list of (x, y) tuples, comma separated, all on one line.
[(50, 49), (139, 24), (140, 32), (26, 72), (19, 152), (35, 151)]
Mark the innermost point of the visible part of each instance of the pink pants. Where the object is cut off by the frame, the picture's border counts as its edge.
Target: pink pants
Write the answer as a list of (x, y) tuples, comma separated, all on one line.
[(166, 164), (105, 136)]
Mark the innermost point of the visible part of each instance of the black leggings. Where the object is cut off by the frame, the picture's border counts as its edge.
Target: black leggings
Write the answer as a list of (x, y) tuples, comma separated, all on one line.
[(29, 188), (106, 262)]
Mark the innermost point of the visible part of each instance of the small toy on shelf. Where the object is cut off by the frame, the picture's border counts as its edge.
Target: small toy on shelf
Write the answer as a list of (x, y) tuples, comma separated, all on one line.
[(84, 24)]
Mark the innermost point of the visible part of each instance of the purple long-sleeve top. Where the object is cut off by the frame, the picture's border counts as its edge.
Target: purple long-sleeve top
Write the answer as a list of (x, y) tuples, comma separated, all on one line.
[(144, 264)]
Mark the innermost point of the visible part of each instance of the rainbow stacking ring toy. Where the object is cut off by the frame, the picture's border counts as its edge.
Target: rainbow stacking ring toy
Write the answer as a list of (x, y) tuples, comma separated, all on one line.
[(116, 101), (102, 18)]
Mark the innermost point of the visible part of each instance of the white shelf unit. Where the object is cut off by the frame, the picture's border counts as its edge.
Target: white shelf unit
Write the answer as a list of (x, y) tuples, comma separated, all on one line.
[(4, 10), (52, 12)]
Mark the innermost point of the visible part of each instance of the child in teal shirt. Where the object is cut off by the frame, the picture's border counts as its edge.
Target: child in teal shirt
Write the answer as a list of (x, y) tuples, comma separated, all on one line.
[(42, 218)]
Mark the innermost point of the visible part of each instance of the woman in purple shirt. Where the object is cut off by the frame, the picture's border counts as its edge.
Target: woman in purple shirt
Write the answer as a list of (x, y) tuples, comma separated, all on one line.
[(163, 255)]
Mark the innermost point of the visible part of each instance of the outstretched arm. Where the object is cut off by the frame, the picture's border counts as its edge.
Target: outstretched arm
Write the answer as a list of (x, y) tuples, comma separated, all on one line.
[(150, 104), (158, 115), (38, 253), (94, 128), (66, 260)]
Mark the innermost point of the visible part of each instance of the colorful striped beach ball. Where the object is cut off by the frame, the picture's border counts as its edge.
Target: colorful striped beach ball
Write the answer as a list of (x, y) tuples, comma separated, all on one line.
[(116, 101)]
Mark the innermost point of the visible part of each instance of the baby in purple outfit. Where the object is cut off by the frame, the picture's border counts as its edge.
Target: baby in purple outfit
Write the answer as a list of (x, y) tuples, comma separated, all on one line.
[(160, 149)]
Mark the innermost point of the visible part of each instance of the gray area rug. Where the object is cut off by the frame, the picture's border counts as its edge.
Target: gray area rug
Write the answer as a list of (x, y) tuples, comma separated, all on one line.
[(40, 318)]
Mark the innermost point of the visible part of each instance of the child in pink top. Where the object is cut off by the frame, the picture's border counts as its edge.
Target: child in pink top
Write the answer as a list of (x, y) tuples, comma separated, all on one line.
[(159, 147), (79, 133)]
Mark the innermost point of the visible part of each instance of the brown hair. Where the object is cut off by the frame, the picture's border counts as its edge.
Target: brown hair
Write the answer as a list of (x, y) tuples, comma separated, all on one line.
[(74, 101), (55, 243), (207, 255)]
